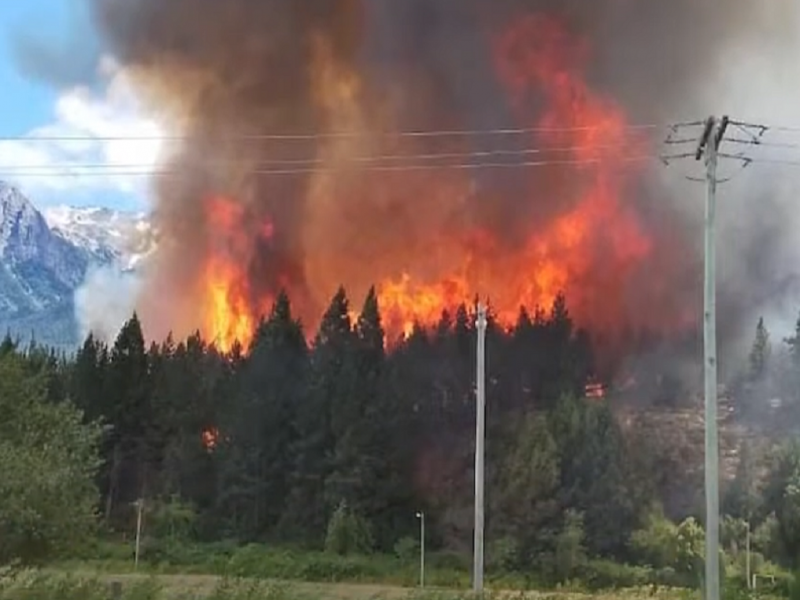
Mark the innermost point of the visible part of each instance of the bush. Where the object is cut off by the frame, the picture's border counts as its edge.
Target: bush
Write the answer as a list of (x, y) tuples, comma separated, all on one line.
[(503, 555), (172, 519), (606, 574), (656, 543), (48, 462), (407, 549), (570, 553), (348, 533)]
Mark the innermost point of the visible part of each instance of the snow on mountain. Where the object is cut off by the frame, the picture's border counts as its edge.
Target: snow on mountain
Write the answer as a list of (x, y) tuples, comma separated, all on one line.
[(123, 238), (45, 260)]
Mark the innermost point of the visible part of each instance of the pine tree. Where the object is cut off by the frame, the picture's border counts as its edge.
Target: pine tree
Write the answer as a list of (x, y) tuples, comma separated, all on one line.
[(256, 467), (525, 484), (361, 475), (742, 498), (129, 402), (760, 353), (87, 384), (317, 421)]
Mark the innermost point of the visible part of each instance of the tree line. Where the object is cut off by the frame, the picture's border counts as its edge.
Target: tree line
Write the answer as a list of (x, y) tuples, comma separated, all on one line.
[(276, 443)]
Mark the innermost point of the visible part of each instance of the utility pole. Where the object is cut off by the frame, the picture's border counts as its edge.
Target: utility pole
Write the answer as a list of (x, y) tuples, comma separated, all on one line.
[(709, 147), (480, 434), (421, 517)]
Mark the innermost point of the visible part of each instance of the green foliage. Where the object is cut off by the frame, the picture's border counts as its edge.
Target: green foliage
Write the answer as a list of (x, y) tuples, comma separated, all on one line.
[(407, 548), (656, 543), (570, 552), (382, 429), (665, 545), (348, 533), (171, 519), (690, 549), (766, 537), (48, 459), (503, 555), (782, 498)]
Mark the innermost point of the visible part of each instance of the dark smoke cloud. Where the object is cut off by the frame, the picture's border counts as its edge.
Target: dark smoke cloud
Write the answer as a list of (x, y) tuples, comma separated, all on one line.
[(243, 66)]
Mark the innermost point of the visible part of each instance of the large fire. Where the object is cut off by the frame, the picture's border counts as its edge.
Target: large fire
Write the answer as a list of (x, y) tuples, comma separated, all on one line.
[(586, 250), (231, 313)]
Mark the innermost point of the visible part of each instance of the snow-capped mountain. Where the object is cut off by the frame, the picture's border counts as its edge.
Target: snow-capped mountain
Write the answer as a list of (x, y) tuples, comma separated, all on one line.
[(45, 258), (124, 238)]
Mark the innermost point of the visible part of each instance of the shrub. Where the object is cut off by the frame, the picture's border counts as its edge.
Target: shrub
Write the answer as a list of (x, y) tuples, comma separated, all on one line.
[(605, 574), (569, 552), (407, 549), (172, 519), (656, 542), (348, 533), (503, 555)]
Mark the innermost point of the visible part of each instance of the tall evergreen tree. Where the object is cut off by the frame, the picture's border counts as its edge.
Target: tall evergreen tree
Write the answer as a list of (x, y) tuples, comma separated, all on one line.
[(317, 423), (257, 463), (129, 413), (760, 353)]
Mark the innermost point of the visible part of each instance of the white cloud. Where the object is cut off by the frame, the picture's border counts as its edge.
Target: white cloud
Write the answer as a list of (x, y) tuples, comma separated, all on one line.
[(114, 147)]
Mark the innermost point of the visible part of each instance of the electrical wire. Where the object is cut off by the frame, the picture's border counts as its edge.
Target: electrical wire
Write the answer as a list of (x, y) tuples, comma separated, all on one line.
[(356, 159), (339, 134), (314, 170)]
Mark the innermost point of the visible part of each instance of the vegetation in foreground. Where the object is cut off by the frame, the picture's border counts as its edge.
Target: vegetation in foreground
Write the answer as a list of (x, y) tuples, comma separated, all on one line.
[(332, 449), (30, 585)]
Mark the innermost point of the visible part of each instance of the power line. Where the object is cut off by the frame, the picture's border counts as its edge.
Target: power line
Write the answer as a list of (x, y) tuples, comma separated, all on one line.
[(339, 134), (65, 171), (357, 159)]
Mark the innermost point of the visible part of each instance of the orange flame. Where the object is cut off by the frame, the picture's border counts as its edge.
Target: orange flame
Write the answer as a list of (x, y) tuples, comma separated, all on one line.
[(228, 319), (230, 314), (537, 57), (210, 438), (588, 251)]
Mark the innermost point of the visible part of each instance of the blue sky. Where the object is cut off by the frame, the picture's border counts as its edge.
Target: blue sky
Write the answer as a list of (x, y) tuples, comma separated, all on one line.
[(26, 103), (56, 82)]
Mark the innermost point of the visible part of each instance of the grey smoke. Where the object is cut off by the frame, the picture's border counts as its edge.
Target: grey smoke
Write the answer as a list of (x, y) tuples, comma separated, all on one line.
[(104, 301)]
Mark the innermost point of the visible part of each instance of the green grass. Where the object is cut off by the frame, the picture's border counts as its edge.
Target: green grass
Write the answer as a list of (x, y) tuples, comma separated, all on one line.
[(37, 585), (443, 570), (270, 563), (213, 570)]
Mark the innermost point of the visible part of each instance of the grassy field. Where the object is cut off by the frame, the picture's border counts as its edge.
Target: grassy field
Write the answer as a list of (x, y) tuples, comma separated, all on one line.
[(86, 585)]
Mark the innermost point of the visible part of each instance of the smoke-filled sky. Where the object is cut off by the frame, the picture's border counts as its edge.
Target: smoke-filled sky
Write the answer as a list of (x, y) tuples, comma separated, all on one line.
[(221, 71)]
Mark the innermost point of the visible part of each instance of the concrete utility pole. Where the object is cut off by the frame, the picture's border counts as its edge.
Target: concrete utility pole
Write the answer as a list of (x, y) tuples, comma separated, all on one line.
[(709, 147), (480, 434), (421, 517)]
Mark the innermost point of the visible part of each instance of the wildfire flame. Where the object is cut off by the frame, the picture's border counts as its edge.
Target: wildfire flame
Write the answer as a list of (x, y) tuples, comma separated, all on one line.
[(230, 313), (540, 64), (210, 438), (536, 56)]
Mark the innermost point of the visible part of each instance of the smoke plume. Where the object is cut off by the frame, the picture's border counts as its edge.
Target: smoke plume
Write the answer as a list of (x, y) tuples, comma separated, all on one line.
[(226, 72), (104, 302)]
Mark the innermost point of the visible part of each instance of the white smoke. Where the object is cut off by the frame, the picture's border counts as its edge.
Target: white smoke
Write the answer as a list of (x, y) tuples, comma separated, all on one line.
[(105, 300)]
